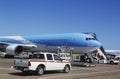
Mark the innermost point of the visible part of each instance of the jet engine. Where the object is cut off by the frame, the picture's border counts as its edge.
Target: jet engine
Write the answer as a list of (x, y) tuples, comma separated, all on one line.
[(14, 50)]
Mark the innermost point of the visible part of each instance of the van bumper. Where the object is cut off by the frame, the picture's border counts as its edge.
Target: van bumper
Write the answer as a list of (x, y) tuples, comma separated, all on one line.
[(20, 68)]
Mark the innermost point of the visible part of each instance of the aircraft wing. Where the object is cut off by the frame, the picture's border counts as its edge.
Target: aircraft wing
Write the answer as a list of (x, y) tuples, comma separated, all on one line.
[(12, 46), (4, 43), (24, 45)]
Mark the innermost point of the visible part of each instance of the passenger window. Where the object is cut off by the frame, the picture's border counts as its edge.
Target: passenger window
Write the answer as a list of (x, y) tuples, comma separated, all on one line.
[(90, 39), (38, 56), (57, 57), (49, 57), (87, 38)]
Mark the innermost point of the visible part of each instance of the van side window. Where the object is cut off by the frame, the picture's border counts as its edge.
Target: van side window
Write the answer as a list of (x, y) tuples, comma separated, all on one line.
[(57, 57), (49, 57), (38, 56)]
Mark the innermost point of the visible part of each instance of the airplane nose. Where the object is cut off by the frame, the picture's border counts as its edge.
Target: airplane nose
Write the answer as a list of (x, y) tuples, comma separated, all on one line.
[(94, 44), (98, 44)]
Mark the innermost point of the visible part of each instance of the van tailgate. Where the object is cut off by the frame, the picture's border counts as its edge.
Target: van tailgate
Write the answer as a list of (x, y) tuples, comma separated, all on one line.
[(21, 62)]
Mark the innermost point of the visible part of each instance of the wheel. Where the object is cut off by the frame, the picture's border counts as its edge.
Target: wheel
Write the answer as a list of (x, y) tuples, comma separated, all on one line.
[(40, 70), (66, 69), (88, 60), (111, 62)]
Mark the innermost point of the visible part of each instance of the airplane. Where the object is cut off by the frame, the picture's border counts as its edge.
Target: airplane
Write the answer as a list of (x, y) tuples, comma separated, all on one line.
[(78, 42)]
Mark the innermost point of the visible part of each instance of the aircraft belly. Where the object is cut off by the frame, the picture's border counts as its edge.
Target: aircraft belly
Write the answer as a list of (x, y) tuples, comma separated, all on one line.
[(55, 49), (84, 49)]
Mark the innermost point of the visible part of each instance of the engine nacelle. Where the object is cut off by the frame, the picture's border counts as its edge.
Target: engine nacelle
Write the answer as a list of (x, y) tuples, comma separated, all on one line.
[(14, 50)]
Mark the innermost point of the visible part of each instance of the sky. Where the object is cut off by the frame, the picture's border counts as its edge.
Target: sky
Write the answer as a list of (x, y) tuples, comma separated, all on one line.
[(41, 17)]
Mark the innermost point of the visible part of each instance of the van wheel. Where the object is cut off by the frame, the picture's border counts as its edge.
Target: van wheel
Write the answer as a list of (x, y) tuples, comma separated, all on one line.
[(40, 70), (111, 62), (66, 69)]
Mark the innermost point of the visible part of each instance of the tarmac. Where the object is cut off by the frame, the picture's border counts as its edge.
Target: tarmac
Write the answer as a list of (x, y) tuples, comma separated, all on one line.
[(101, 71)]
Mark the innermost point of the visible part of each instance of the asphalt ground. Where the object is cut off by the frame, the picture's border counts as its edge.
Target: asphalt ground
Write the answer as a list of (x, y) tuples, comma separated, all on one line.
[(101, 71)]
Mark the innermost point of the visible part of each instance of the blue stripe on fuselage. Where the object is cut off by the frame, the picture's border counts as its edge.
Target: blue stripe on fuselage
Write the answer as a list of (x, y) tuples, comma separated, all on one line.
[(59, 40), (9, 40), (72, 39)]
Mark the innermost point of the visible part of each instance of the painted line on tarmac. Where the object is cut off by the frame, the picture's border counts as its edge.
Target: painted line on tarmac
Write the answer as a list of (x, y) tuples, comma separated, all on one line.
[(6, 68), (86, 69), (3, 74), (14, 69), (69, 75), (82, 68), (10, 69)]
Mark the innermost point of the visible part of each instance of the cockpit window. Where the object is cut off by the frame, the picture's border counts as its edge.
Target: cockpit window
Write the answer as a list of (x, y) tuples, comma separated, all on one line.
[(90, 39)]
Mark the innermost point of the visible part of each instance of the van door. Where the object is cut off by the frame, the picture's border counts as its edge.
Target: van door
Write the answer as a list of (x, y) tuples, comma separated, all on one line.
[(58, 63), (50, 62)]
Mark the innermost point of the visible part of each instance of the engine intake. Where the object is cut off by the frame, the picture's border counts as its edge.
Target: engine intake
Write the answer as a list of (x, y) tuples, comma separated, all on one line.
[(14, 50)]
